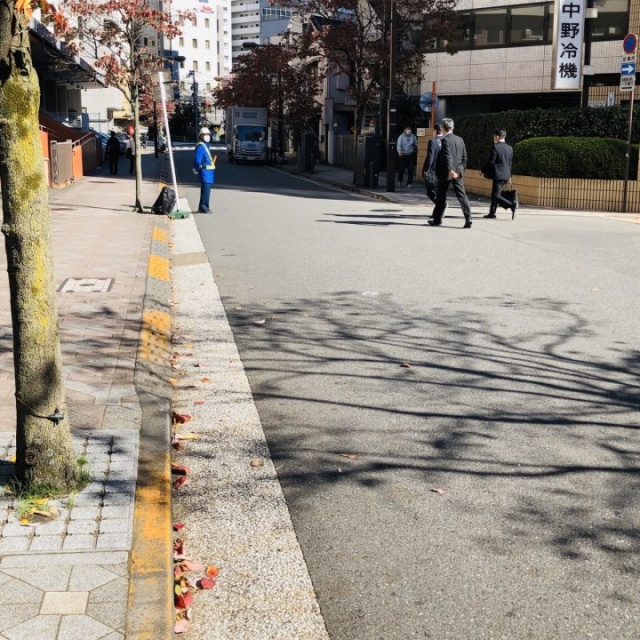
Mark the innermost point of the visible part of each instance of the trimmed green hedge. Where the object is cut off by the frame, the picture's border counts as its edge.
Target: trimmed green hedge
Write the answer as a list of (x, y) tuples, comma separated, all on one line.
[(601, 122), (548, 157)]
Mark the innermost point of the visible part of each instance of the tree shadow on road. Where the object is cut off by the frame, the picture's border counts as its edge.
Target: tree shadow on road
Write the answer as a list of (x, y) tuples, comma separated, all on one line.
[(524, 421)]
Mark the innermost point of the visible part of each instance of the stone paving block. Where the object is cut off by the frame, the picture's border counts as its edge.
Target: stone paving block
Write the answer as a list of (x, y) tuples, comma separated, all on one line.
[(84, 513), (79, 543), (52, 528), (46, 544), (117, 512), (75, 527), (117, 499), (36, 627), (64, 603), (13, 529), (87, 578), (46, 578), (115, 591), (114, 541), (82, 628), (109, 613), (114, 526), (13, 545), (18, 592)]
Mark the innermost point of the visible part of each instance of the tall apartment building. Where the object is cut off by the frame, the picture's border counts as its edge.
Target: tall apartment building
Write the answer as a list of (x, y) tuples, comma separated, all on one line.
[(245, 24), (205, 44)]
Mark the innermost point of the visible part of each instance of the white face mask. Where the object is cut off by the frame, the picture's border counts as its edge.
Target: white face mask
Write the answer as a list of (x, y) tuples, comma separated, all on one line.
[(206, 138)]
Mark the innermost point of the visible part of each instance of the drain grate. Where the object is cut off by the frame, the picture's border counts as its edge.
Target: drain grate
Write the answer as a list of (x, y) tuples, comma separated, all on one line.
[(86, 285)]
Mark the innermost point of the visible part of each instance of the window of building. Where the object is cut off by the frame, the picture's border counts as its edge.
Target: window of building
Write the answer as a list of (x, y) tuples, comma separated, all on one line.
[(490, 28), (527, 24), (612, 22), (195, 65), (206, 23), (207, 44), (207, 66), (194, 43), (464, 31), (208, 85), (181, 41), (194, 22)]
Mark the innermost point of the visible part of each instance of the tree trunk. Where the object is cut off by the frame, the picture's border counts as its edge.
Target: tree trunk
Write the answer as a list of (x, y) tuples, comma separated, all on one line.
[(45, 455), (135, 103)]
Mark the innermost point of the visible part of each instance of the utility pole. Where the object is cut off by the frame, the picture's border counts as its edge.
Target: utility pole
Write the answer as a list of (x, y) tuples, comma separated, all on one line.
[(392, 122), (196, 115)]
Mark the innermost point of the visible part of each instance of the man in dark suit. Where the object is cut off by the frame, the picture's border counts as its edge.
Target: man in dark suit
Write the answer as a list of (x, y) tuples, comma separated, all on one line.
[(498, 169), (450, 165)]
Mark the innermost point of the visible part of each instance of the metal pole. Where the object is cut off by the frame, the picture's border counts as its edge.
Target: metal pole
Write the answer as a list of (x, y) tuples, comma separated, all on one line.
[(391, 103), (587, 58), (433, 104), (169, 146), (155, 125), (628, 154), (281, 137)]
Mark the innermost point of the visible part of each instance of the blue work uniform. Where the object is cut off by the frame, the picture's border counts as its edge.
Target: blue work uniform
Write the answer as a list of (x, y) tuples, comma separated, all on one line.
[(205, 167)]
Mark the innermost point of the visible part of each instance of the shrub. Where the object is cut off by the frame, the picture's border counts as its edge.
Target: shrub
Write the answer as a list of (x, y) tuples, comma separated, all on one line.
[(603, 122), (572, 157)]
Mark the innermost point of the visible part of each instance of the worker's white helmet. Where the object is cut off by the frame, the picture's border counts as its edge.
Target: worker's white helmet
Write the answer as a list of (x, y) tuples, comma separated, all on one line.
[(205, 132)]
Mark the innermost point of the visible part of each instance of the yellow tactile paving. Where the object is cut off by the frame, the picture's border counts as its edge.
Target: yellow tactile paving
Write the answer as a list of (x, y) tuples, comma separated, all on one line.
[(158, 268), (155, 336), (160, 235)]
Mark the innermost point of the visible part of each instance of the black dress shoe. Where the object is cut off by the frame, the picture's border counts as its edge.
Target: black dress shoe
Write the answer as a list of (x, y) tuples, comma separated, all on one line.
[(467, 224), (490, 215), (514, 206), (434, 223)]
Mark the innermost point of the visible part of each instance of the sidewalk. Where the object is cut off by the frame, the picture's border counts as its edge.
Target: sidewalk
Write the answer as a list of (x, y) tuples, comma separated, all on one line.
[(68, 577), (343, 179)]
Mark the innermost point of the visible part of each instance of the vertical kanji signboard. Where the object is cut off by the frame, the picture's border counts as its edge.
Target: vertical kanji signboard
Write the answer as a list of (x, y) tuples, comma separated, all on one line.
[(568, 39)]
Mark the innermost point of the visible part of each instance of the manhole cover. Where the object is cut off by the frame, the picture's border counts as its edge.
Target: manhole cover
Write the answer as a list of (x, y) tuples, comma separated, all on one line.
[(86, 285)]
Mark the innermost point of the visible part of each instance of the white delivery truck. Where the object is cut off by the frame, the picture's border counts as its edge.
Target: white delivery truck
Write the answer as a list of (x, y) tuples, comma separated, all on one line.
[(246, 134)]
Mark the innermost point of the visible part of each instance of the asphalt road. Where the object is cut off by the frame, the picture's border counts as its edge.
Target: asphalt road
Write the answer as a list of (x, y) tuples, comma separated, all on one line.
[(453, 414)]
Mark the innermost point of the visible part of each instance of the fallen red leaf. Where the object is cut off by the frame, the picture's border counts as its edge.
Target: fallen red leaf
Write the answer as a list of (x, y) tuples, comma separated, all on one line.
[(180, 418), (177, 526), (198, 402), (180, 482), (182, 625), (184, 601), (180, 469), (191, 566), (178, 546), (206, 583), (406, 365)]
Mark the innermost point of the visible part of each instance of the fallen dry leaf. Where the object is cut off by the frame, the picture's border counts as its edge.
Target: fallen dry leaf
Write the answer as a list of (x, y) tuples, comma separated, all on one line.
[(206, 583), (184, 600), (187, 436), (180, 481), (177, 526), (187, 565), (256, 462), (438, 490), (205, 380), (180, 469), (180, 418), (173, 381), (198, 402), (260, 321), (182, 625), (351, 456), (406, 365), (212, 571)]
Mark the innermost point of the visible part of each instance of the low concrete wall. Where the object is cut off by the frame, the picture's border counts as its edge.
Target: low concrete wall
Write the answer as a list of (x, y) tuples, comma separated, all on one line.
[(564, 193)]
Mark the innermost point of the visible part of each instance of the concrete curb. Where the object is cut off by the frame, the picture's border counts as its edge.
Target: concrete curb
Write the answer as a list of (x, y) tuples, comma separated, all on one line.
[(150, 604)]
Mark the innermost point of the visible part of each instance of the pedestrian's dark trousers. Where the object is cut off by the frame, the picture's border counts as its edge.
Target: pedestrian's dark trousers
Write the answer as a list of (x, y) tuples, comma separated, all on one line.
[(113, 164), (441, 199), (407, 162), (496, 197)]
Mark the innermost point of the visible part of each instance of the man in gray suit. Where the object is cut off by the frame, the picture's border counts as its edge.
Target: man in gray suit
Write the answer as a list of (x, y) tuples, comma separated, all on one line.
[(450, 167)]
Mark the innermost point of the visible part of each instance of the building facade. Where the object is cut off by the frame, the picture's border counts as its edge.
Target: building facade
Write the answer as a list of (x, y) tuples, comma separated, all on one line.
[(505, 57)]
